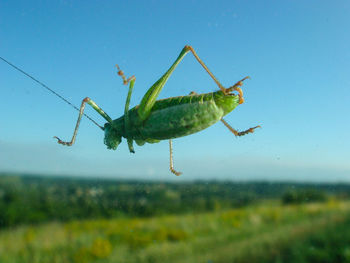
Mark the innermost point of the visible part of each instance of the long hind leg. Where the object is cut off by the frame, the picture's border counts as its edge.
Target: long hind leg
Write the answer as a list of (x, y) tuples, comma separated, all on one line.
[(151, 95), (81, 112)]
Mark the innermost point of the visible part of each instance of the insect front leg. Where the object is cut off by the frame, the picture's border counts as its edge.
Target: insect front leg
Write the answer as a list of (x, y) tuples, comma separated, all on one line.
[(132, 80), (237, 133), (81, 112), (171, 159)]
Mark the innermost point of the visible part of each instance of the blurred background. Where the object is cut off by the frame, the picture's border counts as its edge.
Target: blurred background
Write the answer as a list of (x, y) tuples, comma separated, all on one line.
[(281, 192)]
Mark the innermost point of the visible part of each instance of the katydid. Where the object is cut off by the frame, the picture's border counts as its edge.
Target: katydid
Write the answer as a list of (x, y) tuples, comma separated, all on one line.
[(154, 120)]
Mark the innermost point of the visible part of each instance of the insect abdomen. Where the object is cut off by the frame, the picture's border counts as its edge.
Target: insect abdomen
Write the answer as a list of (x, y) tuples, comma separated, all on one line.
[(177, 116), (181, 116)]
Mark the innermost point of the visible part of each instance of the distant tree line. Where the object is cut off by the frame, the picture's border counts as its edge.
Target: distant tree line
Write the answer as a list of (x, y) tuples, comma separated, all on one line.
[(303, 196), (34, 199)]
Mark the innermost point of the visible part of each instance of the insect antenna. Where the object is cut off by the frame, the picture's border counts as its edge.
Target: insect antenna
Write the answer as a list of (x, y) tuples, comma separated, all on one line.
[(50, 90)]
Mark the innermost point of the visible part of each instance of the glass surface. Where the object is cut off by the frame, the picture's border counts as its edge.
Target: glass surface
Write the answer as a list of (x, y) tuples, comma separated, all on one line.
[(278, 194)]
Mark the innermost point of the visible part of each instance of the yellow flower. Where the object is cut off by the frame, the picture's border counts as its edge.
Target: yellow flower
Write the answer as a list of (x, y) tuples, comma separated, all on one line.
[(101, 248)]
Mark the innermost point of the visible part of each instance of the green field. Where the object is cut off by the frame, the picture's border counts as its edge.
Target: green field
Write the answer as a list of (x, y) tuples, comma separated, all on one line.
[(264, 232), (46, 219)]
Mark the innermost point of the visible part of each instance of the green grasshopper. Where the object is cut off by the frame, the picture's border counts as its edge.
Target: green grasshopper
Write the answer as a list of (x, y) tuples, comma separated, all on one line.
[(154, 120)]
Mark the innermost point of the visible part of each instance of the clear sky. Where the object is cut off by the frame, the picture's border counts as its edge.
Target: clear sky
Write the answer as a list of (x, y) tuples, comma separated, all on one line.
[(296, 52)]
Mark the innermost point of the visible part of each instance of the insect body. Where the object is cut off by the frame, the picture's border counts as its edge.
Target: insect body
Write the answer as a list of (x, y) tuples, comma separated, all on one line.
[(174, 117), (154, 120)]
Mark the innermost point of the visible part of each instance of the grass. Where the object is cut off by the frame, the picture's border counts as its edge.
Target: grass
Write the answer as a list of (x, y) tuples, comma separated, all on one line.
[(258, 233)]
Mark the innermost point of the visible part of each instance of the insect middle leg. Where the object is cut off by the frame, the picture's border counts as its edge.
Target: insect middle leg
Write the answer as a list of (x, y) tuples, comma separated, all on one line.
[(171, 159), (81, 112), (237, 133)]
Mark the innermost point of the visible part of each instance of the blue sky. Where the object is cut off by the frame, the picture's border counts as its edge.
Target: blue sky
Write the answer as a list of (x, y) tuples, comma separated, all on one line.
[(296, 52)]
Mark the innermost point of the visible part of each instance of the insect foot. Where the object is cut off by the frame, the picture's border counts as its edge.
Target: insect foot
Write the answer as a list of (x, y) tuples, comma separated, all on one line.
[(175, 172), (250, 130), (122, 75), (62, 142), (237, 133)]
